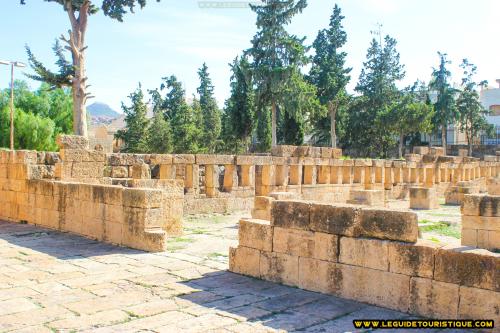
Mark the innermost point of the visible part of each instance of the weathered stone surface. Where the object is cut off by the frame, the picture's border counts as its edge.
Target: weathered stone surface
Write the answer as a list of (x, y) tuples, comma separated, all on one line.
[(389, 224), (141, 171), (468, 267), (433, 299), (291, 214), (142, 198), (423, 198), (371, 253), (72, 142), (256, 234), (335, 219), (412, 259), (294, 242), (280, 268), (244, 260), (479, 304)]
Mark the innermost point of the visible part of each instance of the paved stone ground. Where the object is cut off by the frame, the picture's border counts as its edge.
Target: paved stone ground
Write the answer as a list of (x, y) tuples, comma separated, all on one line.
[(58, 282)]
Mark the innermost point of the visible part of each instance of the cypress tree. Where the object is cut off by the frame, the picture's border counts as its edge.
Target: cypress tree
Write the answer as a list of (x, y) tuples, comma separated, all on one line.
[(330, 75), (210, 112)]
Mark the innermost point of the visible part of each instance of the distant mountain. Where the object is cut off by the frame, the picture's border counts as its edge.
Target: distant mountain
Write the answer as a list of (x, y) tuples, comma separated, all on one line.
[(102, 110)]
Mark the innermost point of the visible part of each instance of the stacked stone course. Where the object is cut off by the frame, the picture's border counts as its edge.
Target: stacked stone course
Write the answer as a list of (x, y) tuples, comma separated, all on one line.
[(369, 255), (481, 222)]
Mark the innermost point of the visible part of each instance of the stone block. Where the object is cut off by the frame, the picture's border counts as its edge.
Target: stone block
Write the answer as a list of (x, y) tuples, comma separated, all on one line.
[(291, 214), (423, 198), (412, 259), (468, 267), (203, 159), (72, 142), (294, 242), (481, 222), (141, 171), (367, 197), (318, 275), (256, 234), (433, 299), (283, 195), (184, 159), (335, 219), (245, 260), (373, 286), (326, 246), (119, 172), (421, 150), (370, 253), (142, 198), (279, 268), (479, 304), (389, 224)]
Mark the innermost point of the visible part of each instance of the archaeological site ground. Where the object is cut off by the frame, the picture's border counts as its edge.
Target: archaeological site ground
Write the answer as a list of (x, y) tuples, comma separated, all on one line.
[(302, 239)]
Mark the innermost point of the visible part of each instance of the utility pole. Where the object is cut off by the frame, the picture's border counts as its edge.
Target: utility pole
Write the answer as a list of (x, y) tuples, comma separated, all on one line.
[(12, 64)]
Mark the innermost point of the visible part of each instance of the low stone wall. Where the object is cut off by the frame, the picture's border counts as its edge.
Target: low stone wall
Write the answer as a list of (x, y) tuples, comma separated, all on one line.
[(423, 198), (134, 217), (481, 222), (369, 255)]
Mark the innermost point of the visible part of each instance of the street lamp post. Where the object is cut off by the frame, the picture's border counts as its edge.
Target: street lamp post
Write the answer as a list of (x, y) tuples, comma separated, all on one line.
[(12, 65)]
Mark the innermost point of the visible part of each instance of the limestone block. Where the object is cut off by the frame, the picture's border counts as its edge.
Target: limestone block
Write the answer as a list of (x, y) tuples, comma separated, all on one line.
[(262, 208), (279, 268), (119, 172), (184, 159), (326, 246), (256, 234), (479, 304), (423, 198), (433, 299), (468, 267), (318, 275), (142, 198), (469, 236), (72, 142), (113, 213), (157, 159), (141, 171), (421, 150), (293, 242), (114, 232), (154, 240), (283, 195), (373, 286), (370, 253), (493, 186), (367, 197), (389, 224), (291, 214), (437, 151), (335, 219), (481, 205), (412, 259), (481, 222), (204, 159), (244, 260)]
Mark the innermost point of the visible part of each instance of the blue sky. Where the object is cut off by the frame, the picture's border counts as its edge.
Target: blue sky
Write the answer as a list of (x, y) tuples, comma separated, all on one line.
[(177, 36)]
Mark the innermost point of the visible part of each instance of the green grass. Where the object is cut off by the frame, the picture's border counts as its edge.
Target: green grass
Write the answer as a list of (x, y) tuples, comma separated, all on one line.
[(424, 221), (435, 240), (442, 229), (215, 255)]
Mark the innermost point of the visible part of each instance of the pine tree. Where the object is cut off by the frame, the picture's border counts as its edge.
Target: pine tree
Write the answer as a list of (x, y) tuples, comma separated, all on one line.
[(275, 55), (159, 135), (78, 12), (379, 93), (209, 110), (182, 118), (472, 114), (445, 105), (134, 134), (330, 75), (239, 112)]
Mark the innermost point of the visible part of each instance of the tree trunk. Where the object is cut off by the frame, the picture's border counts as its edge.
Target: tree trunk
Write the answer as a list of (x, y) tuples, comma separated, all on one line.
[(274, 140), (469, 142), (401, 141), (76, 44), (333, 115), (444, 130)]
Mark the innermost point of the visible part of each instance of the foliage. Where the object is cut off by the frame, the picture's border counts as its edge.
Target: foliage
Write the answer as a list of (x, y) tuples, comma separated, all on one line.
[(472, 114), (330, 76), (211, 124), (43, 74), (134, 136), (379, 95), (239, 112), (159, 138), (275, 53), (445, 106)]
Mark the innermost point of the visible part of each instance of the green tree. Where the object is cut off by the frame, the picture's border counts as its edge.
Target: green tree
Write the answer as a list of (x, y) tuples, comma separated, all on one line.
[(159, 135), (379, 95), (134, 135), (209, 110), (411, 114), (78, 12), (275, 54), (330, 75), (472, 114), (184, 120), (239, 112), (445, 104)]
